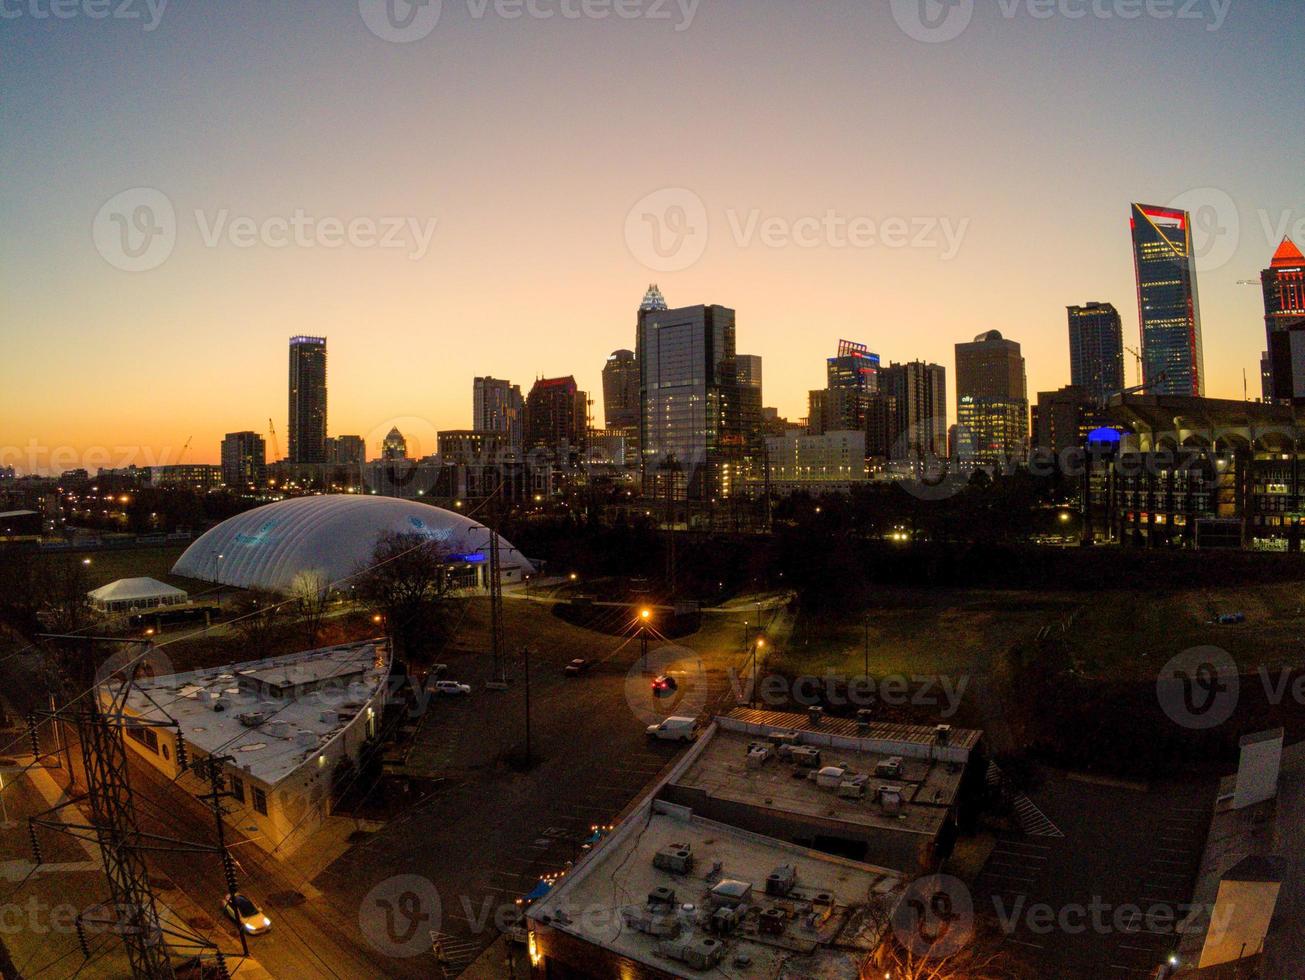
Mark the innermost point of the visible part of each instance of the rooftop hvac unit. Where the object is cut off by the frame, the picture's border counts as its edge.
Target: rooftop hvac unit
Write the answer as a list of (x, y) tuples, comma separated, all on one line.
[(814, 715), (805, 757), (852, 789), (252, 719), (782, 738), (781, 881), (675, 858), (329, 717), (725, 920), (305, 739), (730, 893), (829, 777), (278, 729), (864, 721), (890, 798), (204, 696), (651, 922), (942, 734), (699, 953), (890, 768), (771, 921), (661, 896)]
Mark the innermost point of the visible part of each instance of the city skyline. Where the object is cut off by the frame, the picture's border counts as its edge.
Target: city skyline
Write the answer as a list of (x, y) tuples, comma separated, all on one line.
[(198, 328)]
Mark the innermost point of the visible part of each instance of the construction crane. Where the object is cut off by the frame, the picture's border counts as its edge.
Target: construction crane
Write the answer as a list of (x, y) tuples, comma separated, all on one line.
[(271, 431), (1137, 355), (181, 457)]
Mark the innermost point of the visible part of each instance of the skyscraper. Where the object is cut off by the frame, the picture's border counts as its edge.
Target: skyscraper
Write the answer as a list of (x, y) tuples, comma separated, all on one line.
[(557, 415), (307, 400), (1096, 349), (919, 391), (621, 390), (1284, 323), (394, 446), (497, 406), (853, 367), (992, 402), (1168, 306), (688, 380), (244, 460)]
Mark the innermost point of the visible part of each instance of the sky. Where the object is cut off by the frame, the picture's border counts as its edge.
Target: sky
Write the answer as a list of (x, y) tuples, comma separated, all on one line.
[(491, 190)]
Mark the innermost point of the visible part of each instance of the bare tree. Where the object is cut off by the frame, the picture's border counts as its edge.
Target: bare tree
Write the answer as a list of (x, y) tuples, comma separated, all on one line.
[(406, 580), (312, 594), (960, 950), (258, 613), (65, 582)]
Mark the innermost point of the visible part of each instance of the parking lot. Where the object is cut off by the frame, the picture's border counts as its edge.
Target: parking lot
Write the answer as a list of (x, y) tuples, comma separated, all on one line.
[(1103, 900), (489, 831)]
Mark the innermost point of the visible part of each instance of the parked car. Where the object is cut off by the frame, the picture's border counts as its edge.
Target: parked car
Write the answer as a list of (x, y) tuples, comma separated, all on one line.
[(577, 667), (451, 687), (438, 670), (248, 916), (675, 729), (1231, 619)]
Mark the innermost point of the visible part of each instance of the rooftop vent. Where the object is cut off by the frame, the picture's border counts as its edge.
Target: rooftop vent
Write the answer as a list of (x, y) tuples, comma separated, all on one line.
[(661, 896), (730, 893), (675, 858), (805, 757), (890, 768), (651, 922), (814, 715), (890, 798), (252, 719), (771, 921), (781, 881), (942, 734), (699, 953)]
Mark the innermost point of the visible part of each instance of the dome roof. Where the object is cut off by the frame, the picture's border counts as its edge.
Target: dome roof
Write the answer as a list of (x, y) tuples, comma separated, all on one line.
[(269, 546), (988, 337)]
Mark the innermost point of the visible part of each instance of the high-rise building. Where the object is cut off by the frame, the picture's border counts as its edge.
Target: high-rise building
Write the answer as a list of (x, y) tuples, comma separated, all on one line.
[(244, 460), (307, 400), (880, 425), (346, 450), (1284, 323), (1168, 306), (919, 391), (621, 390), (394, 447), (1096, 350), (557, 415), (653, 300), (1063, 419), (497, 406), (992, 402), (688, 380), (853, 367)]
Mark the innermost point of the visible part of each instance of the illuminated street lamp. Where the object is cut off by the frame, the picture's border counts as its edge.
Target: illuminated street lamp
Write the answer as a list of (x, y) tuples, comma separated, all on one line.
[(645, 615)]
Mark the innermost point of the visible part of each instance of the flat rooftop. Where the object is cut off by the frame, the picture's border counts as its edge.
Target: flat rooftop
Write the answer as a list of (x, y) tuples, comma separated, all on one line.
[(592, 900), (923, 737), (927, 788), (292, 730)]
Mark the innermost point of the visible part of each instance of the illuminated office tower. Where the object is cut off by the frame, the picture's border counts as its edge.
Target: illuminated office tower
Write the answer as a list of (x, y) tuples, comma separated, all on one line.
[(1284, 323), (1096, 350), (1168, 306), (992, 402), (307, 400)]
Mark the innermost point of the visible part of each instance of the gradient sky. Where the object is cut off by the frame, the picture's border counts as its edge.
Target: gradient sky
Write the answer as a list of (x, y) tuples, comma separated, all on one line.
[(530, 140)]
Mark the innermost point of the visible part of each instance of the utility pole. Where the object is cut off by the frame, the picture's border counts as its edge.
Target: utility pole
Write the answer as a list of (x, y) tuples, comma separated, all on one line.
[(525, 653)]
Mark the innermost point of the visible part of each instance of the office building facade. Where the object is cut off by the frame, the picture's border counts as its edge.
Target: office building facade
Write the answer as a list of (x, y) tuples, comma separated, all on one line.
[(919, 391), (307, 400), (992, 403), (244, 460), (1284, 323), (1096, 350), (497, 406), (557, 416), (688, 380), (1169, 307)]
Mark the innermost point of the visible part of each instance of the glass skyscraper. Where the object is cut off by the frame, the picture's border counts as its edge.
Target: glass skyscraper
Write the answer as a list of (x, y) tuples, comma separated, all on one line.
[(1168, 306), (1096, 350), (307, 400), (1284, 322), (688, 382), (992, 402)]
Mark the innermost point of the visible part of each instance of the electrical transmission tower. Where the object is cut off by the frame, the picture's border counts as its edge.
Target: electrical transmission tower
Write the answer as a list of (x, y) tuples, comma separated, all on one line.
[(99, 717)]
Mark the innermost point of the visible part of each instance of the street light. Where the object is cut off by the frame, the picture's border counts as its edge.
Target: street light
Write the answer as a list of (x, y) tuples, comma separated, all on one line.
[(756, 650), (645, 615)]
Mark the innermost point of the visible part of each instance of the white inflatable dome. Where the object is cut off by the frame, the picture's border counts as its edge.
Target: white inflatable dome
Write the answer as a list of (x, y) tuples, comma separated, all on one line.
[(270, 547)]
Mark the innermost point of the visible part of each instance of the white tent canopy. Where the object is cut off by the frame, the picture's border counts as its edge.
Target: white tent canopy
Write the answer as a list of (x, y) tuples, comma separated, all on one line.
[(135, 593)]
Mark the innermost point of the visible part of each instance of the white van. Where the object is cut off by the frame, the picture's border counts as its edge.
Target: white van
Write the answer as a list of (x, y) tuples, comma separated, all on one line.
[(675, 729)]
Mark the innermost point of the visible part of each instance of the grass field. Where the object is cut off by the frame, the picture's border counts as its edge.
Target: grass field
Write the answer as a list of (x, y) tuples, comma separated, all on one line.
[(1111, 634)]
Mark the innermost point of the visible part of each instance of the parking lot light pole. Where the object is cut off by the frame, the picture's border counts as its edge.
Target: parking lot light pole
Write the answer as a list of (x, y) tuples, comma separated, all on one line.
[(756, 651), (644, 616), (525, 653)]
